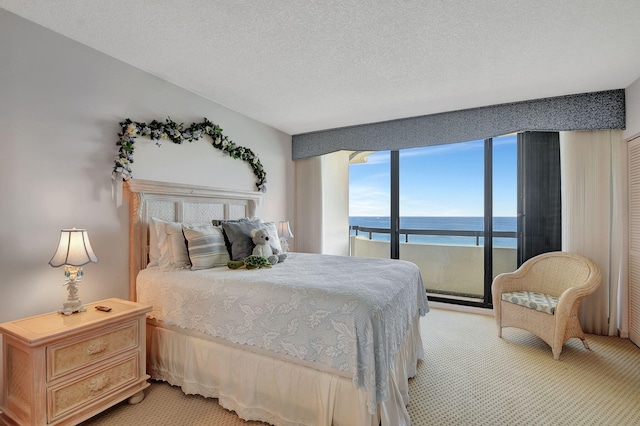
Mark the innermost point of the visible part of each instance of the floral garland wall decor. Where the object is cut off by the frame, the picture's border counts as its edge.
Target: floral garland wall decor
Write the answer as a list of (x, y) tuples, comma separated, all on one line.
[(177, 133)]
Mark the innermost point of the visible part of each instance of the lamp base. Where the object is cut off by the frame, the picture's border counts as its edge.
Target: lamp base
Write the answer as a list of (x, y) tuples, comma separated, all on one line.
[(73, 303), (71, 307), (284, 244)]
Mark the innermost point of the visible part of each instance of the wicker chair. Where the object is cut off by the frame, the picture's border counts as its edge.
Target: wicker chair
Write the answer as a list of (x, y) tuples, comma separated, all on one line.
[(543, 297)]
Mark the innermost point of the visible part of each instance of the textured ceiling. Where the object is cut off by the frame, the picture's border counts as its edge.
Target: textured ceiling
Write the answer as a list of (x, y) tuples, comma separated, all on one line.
[(302, 66)]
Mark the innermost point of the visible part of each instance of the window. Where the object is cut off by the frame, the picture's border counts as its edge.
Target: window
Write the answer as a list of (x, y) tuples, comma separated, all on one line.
[(456, 209)]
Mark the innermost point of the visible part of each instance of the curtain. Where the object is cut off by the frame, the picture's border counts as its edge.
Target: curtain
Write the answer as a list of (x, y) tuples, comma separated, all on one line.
[(539, 194), (309, 235), (594, 219), (322, 204)]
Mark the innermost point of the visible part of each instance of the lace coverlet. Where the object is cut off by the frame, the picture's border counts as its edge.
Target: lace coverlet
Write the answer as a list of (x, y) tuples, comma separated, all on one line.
[(348, 313)]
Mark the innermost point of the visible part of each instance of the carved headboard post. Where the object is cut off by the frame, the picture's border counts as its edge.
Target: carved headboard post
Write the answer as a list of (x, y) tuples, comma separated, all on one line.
[(180, 203), (135, 245)]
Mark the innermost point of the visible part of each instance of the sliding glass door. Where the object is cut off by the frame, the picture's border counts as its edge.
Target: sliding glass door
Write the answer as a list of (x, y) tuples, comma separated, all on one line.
[(504, 208), (441, 199), (450, 209)]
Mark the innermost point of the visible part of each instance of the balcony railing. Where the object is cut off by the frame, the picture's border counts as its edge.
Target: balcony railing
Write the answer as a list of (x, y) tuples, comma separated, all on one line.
[(451, 268), (431, 232)]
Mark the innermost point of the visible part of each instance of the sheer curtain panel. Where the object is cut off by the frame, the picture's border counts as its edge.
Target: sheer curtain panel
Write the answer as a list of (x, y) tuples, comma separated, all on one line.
[(594, 220), (322, 204)]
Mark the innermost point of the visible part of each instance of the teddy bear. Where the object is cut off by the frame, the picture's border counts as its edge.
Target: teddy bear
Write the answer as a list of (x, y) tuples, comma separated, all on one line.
[(260, 238)]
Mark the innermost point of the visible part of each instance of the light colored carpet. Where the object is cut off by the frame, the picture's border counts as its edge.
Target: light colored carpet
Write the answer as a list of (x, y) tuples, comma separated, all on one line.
[(469, 377)]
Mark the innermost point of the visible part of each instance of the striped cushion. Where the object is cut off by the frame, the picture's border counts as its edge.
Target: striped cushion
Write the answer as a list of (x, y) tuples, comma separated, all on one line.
[(530, 299), (205, 244)]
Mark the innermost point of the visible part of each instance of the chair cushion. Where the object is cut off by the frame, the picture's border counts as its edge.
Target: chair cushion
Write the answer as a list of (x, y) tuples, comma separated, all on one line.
[(530, 299)]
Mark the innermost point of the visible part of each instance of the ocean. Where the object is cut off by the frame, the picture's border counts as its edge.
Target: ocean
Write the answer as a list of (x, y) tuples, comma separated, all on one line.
[(457, 223)]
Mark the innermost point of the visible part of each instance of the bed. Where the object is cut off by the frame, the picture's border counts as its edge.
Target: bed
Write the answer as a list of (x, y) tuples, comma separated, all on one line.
[(315, 340)]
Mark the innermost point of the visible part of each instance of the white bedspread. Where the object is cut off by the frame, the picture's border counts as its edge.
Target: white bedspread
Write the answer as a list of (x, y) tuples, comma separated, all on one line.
[(347, 313)]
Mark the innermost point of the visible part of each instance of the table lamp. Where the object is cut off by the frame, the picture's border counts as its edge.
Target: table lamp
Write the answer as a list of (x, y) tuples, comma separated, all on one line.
[(74, 250), (284, 232)]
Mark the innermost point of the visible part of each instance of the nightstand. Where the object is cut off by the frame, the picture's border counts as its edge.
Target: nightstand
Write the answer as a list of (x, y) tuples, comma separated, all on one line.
[(63, 369)]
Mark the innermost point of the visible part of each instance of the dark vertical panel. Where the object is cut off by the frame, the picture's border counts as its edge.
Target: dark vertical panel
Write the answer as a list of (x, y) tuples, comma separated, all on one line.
[(539, 197), (488, 219), (395, 205)]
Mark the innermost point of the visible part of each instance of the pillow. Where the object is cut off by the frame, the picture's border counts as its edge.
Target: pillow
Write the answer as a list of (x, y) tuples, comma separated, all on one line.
[(205, 245), (274, 239), (173, 250), (219, 222), (154, 250), (239, 235)]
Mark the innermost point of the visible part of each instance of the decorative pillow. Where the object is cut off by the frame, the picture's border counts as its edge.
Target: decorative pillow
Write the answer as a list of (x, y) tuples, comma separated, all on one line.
[(173, 250), (219, 222), (274, 239), (534, 300), (154, 250), (205, 245), (239, 235)]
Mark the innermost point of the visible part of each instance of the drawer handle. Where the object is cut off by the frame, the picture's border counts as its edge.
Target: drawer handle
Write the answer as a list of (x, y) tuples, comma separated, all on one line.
[(97, 347), (99, 383)]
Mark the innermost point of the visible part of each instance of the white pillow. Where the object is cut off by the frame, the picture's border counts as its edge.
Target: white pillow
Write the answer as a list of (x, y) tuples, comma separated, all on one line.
[(154, 250), (173, 249), (205, 245)]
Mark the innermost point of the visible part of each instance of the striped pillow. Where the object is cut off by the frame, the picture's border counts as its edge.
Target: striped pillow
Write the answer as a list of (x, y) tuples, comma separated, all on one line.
[(205, 244)]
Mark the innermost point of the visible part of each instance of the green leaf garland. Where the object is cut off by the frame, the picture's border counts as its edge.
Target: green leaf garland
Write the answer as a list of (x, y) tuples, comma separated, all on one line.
[(176, 133)]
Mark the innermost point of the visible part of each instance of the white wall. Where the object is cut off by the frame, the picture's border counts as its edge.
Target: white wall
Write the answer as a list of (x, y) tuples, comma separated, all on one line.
[(632, 100), (60, 105)]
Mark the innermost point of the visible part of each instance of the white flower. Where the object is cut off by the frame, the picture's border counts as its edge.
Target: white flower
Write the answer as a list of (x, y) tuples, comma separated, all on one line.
[(131, 130)]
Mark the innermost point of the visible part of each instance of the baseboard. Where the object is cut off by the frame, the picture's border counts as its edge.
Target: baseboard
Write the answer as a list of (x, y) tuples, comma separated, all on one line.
[(461, 308)]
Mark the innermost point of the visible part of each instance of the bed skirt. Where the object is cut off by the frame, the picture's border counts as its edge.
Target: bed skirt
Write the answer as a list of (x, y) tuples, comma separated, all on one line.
[(260, 387)]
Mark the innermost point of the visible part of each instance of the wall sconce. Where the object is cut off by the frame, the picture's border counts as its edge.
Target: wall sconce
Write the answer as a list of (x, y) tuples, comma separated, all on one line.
[(284, 232), (74, 250)]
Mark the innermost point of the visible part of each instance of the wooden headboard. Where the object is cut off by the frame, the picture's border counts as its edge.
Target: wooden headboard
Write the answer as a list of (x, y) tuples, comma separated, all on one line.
[(177, 203)]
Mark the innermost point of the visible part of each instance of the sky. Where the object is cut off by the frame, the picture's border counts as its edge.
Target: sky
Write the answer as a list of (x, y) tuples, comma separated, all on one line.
[(442, 180)]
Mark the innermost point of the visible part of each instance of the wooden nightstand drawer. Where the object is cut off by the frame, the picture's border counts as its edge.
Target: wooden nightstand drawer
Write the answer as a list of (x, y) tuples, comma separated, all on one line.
[(72, 396), (59, 370), (71, 356)]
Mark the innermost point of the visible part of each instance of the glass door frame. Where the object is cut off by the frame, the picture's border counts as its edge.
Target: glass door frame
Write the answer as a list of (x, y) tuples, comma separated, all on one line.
[(488, 224)]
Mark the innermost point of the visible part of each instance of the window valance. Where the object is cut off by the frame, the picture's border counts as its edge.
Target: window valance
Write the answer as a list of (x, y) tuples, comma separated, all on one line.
[(587, 111)]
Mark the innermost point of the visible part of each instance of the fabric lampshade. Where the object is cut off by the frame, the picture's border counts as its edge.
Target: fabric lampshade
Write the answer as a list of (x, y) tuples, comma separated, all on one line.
[(283, 229), (74, 249)]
